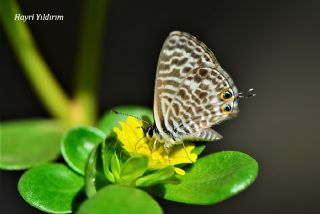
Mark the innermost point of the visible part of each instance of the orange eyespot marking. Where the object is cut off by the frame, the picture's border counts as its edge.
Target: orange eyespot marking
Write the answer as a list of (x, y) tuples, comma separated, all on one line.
[(226, 95), (226, 109)]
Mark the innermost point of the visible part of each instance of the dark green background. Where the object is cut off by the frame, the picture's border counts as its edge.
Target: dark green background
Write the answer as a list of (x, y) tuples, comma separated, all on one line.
[(272, 46)]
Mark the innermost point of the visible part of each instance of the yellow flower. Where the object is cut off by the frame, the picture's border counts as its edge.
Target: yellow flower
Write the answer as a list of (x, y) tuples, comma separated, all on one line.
[(134, 142)]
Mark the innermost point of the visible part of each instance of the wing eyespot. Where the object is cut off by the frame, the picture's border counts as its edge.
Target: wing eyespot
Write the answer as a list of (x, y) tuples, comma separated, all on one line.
[(226, 109), (226, 95)]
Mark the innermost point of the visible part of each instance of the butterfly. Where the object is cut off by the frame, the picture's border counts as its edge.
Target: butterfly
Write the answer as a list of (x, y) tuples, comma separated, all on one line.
[(192, 93)]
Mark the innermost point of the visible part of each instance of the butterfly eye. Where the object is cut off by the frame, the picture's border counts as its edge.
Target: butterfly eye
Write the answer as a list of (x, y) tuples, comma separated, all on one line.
[(226, 109), (150, 132), (226, 95)]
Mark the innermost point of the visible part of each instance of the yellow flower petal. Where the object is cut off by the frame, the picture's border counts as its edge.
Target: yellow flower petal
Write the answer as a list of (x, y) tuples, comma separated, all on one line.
[(180, 155), (179, 171), (134, 142)]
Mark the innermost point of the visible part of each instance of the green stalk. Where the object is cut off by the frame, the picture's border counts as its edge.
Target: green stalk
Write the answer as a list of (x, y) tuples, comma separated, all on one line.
[(89, 59), (34, 66)]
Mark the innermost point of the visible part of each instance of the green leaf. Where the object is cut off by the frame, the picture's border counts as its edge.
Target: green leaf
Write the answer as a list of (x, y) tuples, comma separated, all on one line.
[(116, 199), (134, 167), (77, 144), (27, 143), (200, 146), (115, 166), (111, 119), (52, 188), (212, 179), (94, 173), (109, 147), (157, 177)]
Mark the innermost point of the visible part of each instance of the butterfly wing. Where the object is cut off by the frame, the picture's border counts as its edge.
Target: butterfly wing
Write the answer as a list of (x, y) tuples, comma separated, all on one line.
[(198, 105), (181, 54), (203, 135)]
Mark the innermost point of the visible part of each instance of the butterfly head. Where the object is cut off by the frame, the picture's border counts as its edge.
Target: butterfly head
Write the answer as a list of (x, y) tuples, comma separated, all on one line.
[(150, 131)]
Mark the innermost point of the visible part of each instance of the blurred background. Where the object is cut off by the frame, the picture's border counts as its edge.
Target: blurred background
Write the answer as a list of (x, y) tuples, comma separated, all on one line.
[(272, 46)]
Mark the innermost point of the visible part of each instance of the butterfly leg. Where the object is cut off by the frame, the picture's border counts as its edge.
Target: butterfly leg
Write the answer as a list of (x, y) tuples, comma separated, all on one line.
[(154, 145), (167, 149)]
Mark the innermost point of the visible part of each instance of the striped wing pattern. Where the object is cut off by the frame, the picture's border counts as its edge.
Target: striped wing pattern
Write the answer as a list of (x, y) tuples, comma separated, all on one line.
[(196, 105), (188, 82)]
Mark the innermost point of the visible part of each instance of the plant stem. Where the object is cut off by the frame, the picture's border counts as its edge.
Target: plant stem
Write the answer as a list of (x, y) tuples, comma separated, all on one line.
[(34, 66), (89, 59)]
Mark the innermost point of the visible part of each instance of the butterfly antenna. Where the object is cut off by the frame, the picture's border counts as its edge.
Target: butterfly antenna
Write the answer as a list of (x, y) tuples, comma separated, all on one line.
[(247, 94), (135, 147), (131, 115)]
